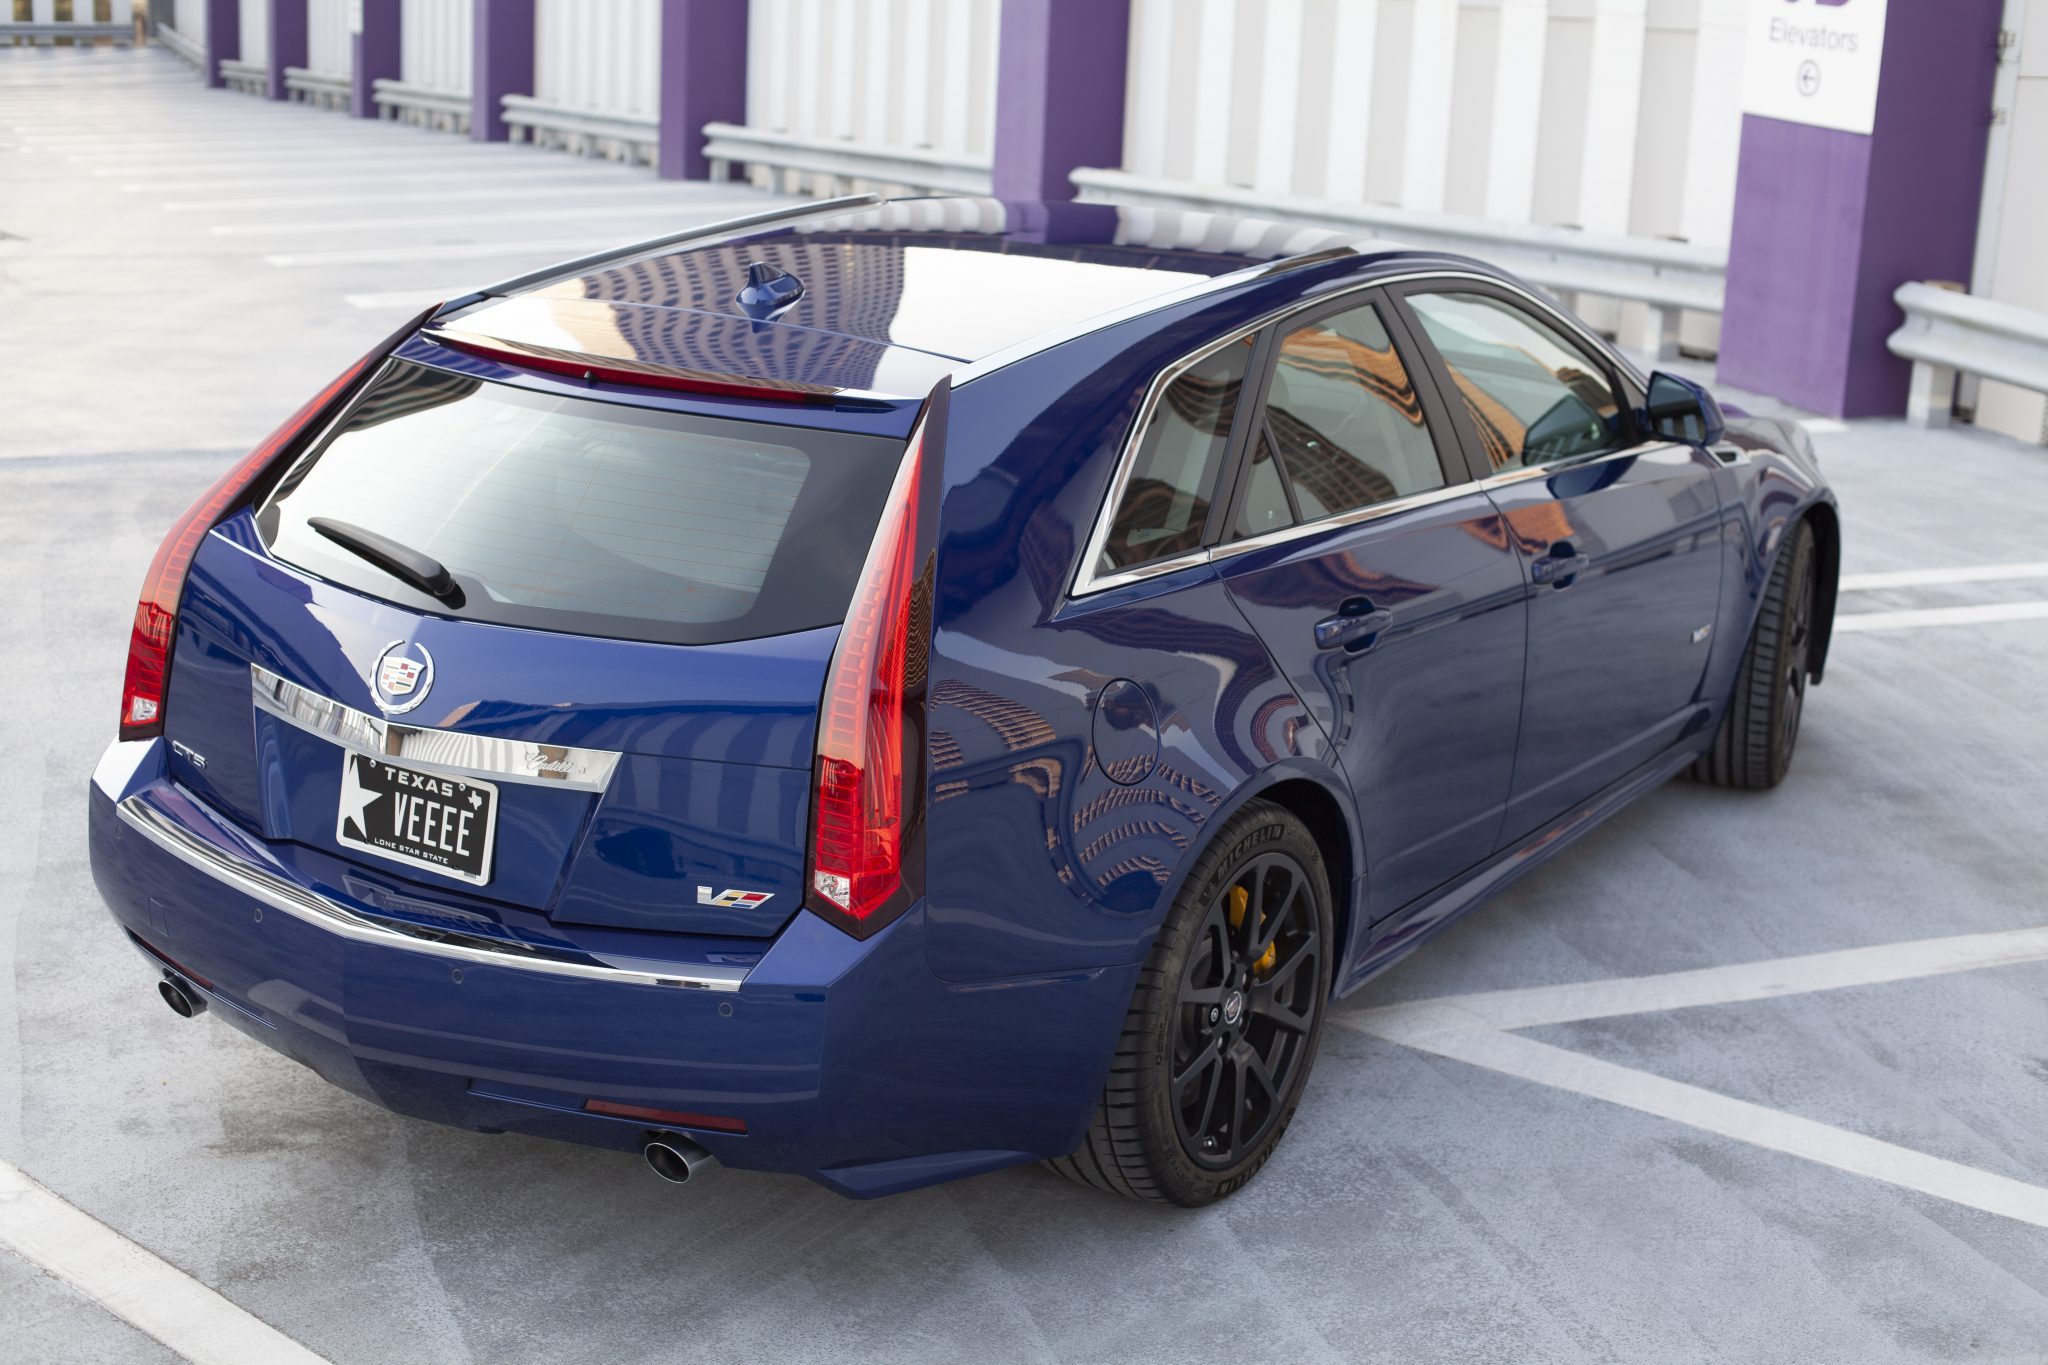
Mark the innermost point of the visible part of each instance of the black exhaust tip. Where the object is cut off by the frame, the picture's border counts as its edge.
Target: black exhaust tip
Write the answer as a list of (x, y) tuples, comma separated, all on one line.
[(185, 1002), (675, 1159)]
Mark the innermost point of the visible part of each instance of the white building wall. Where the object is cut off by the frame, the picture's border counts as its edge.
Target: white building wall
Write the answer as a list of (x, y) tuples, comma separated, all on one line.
[(1618, 116), (885, 73), (2011, 266), (188, 17), (255, 15), (1621, 117), (435, 42), (600, 56), (330, 49)]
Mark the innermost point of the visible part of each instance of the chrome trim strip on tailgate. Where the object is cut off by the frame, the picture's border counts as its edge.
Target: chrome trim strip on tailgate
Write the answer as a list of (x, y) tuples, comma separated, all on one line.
[(279, 892), (509, 760)]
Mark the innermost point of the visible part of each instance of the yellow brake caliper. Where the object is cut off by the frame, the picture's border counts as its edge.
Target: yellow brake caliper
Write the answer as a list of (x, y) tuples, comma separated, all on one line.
[(1240, 901)]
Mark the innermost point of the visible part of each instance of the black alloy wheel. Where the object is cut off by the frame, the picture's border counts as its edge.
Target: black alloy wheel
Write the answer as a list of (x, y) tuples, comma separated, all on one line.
[(1223, 1025), (1753, 748), (1246, 1011)]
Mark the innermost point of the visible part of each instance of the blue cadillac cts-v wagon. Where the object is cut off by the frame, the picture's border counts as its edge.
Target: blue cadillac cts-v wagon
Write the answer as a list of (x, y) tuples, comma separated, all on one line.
[(892, 690)]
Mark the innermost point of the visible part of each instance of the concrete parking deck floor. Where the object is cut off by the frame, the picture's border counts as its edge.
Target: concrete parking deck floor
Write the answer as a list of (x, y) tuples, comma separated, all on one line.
[(1840, 1156)]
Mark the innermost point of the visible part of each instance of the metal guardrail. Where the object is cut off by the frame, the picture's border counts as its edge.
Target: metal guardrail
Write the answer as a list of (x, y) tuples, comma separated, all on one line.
[(1669, 278), (193, 52), (44, 27), (250, 78), (616, 137), (836, 166), (444, 111), (1949, 332), (322, 89)]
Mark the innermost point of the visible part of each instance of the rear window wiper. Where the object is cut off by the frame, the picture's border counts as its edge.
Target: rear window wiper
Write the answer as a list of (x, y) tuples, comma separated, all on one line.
[(424, 572)]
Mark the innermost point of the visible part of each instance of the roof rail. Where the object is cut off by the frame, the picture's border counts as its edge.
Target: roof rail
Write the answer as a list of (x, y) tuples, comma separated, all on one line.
[(561, 269)]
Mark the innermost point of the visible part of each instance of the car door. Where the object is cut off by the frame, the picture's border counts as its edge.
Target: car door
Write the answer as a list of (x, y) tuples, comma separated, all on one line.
[(1618, 535), (1380, 577)]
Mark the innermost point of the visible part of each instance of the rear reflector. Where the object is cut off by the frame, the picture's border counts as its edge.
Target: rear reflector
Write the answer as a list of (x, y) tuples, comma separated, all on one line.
[(156, 611), (674, 1118), (169, 961), (857, 831)]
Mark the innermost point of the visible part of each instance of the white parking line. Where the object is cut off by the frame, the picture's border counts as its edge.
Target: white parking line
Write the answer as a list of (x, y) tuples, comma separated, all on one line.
[(1857, 623), (1928, 578), (517, 189), (683, 210), (135, 1284), (414, 299), (466, 251), (1771, 1129), (1533, 1007), (311, 174), (1475, 1029), (335, 158)]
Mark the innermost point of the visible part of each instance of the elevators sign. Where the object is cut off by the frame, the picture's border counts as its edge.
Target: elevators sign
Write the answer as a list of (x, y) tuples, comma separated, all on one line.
[(1815, 62)]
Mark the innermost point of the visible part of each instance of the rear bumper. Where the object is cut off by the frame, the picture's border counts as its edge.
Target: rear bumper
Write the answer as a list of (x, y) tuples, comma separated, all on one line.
[(847, 1061)]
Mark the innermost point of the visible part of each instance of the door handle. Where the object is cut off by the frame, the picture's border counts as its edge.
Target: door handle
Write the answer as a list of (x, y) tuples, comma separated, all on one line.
[(1561, 566), (1356, 626)]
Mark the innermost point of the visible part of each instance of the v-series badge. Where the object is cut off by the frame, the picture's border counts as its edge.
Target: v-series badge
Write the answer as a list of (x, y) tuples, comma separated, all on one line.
[(734, 900)]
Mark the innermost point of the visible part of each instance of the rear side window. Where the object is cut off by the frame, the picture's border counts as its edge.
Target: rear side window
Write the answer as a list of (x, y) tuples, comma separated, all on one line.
[(1165, 503), (586, 517)]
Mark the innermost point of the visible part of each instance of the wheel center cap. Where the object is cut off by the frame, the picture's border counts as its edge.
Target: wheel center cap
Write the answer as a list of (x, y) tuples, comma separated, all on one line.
[(1233, 1007)]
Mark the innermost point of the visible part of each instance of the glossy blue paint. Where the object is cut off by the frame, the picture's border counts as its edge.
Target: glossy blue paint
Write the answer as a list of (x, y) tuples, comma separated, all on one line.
[(1078, 749)]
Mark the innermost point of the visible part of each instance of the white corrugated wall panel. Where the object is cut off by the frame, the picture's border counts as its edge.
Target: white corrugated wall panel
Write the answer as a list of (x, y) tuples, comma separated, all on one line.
[(2017, 269), (603, 56), (1614, 115), (434, 48), (255, 31), (885, 73), (330, 48), (188, 17)]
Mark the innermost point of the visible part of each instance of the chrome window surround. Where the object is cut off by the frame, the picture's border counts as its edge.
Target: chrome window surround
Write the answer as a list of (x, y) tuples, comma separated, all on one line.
[(506, 760), (1088, 582), (273, 888)]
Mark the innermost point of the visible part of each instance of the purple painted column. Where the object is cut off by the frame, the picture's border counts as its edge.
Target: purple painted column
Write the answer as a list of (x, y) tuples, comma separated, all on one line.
[(287, 42), (376, 53), (502, 64), (1828, 224), (1059, 93), (223, 38), (703, 79)]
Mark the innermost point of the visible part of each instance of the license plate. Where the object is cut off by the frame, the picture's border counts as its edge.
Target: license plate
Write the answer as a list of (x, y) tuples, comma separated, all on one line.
[(418, 818)]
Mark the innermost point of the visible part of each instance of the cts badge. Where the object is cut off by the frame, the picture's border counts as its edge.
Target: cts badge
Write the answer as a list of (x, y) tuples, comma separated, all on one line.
[(734, 900), (403, 674)]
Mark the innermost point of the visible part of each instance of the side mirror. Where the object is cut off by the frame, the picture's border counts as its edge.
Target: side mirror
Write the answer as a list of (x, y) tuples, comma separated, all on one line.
[(1680, 410)]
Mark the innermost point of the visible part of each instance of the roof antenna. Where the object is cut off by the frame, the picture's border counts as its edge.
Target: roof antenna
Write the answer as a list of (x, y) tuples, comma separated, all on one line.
[(769, 291)]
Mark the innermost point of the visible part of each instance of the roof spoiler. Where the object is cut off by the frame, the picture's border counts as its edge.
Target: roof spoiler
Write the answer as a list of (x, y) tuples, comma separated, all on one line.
[(576, 266)]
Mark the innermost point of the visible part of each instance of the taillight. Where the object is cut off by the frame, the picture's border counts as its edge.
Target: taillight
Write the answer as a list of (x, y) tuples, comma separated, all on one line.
[(868, 782), (156, 613)]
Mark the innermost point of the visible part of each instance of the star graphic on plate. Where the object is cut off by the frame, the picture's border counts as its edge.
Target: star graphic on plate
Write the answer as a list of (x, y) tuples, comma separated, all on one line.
[(355, 798), (476, 800)]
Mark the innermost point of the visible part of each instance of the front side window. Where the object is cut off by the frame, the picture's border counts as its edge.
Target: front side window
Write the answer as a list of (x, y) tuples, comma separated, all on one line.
[(1165, 503), (1342, 427), (1535, 397)]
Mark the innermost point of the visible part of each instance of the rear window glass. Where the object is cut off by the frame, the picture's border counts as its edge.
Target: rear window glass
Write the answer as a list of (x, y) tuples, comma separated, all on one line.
[(586, 517)]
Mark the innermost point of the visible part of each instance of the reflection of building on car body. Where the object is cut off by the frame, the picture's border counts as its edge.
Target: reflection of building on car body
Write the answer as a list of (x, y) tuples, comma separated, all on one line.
[(889, 743)]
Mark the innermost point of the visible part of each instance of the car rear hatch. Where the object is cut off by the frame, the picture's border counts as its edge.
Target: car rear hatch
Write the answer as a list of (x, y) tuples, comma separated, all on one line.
[(487, 652)]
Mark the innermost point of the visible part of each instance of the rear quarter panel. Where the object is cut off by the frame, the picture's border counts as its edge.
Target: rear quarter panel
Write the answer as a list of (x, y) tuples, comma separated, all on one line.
[(1037, 858)]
